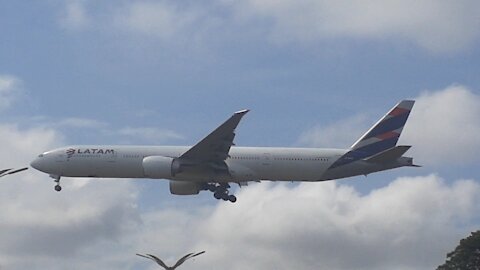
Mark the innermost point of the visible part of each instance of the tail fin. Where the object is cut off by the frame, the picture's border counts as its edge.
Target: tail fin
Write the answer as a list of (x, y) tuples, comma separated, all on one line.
[(385, 133), (382, 136)]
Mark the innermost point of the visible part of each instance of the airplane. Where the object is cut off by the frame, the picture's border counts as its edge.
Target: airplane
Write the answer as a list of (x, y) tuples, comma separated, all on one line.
[(215, 162)]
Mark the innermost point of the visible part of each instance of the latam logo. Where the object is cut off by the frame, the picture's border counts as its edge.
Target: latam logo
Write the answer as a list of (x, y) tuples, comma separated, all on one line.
[(93, 151), (70, 152)]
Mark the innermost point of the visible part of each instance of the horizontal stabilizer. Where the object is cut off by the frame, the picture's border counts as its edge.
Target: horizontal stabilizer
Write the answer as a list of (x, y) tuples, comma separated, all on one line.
[(389, 155)]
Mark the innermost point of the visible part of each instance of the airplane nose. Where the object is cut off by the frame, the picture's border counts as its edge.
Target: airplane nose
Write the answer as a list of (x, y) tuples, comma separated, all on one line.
[(43, 163), (35, 163), (38, 164)]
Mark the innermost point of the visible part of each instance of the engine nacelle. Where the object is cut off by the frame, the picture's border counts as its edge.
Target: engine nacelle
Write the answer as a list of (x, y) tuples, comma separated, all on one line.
[(159, 167), (184, 187)]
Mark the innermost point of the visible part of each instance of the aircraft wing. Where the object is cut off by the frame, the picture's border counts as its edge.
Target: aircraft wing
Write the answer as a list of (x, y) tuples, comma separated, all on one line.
[(214, 148)]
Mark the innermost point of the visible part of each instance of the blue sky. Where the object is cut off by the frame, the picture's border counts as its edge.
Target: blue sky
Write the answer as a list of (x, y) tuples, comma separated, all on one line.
[(313, 73)]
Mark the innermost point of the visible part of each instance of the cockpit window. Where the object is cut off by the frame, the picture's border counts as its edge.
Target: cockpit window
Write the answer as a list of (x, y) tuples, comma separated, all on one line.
[(41, 155)]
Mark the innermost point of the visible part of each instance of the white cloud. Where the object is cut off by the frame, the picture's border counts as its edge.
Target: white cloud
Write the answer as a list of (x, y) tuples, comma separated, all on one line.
[(410, 224), (152, 18), (42, 229), (20, 146), (150, 134), (337, 135), (444, 126), (439, 26), (75, 15), (95, 129), (9, 88), (77, 122), (333, 227), (162, 19), (170, 232)]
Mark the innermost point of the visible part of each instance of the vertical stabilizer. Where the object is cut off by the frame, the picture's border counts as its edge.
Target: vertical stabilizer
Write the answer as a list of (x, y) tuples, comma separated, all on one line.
[(382, 136), (385, 133)]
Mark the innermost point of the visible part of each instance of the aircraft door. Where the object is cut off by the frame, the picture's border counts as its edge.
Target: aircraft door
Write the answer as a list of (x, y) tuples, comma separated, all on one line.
[(266, 159)]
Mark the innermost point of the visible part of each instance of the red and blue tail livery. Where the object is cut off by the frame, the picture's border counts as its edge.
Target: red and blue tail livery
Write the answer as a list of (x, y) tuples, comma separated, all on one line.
[(381, 137)]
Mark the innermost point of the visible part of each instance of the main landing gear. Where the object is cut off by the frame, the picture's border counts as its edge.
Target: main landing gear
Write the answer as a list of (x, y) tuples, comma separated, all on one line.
[(220, 191), (56, 179)]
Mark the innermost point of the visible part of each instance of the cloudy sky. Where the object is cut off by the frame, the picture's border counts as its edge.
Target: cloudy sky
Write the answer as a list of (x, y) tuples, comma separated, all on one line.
[(314, 73)]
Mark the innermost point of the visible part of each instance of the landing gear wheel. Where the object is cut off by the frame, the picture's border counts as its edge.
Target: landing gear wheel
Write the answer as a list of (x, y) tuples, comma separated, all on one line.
[(220, 191), (225, 196), (217, 195), (232, 198), (56, 179)]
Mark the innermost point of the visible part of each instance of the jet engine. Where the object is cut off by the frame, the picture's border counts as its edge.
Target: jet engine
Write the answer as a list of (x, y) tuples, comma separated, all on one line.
[(160, 167), (184, 187)]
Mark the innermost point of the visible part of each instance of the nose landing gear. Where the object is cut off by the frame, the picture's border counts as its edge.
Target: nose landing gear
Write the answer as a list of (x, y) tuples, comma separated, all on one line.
[(56, 179)]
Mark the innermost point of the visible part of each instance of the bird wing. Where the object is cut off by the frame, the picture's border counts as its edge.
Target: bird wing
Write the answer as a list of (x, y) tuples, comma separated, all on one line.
[(186, 257), (11, 171), (182, 260), (157, 260), (141, 255), (199, 253)]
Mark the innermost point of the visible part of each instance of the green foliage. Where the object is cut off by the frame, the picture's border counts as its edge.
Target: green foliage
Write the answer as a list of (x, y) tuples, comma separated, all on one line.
[(466, 256)]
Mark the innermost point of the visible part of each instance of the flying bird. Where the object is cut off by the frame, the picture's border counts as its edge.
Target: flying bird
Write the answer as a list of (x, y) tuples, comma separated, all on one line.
[(177, 264), (11, 171)]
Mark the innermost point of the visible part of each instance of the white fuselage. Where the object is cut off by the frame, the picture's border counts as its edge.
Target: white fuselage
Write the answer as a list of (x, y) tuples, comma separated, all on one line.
[(244, 163)]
